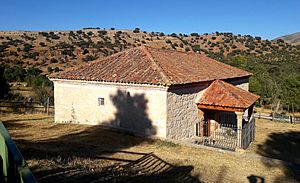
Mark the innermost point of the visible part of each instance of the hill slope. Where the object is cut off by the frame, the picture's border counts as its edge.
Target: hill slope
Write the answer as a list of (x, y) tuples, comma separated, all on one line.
[(291, 38), (275, 64), (63, 49)]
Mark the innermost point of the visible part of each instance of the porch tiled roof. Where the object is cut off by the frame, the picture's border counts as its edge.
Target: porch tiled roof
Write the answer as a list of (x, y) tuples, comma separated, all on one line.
[(222, 94), (146, 65)]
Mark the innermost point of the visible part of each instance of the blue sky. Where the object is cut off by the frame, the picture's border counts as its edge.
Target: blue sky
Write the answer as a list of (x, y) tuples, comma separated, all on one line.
[(265, 18)]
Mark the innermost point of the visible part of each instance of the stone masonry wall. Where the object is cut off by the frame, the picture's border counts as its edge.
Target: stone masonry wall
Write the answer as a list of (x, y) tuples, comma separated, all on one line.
[(182, 114), (182, 111)]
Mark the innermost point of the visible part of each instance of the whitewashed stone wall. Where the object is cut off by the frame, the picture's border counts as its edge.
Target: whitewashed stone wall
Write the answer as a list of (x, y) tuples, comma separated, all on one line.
[(144, 112)]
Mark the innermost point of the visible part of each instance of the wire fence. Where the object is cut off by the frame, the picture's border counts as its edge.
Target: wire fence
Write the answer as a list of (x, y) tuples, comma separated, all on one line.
[(278, 117), (25, 107)]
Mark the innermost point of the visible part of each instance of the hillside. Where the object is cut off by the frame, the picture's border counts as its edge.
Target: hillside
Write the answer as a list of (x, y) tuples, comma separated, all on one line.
[(275, 64), (61, 49), (291, 38)]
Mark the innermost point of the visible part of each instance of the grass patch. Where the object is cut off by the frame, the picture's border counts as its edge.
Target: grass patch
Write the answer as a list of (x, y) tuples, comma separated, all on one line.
[(85, 150), (163, 143)]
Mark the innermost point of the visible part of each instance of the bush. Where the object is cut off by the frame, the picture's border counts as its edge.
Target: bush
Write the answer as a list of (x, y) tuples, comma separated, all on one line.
[(195, 34), (14, 74), (257, 38), (85, 51), (90, 33), (136, 30), (196, 48), (67, 52), (49, 69), (27, 47), (102, 32), (56, 69), (168, 41), (54, 36), (3, 47), (173, 35), (3, 84), (53, 60), (89, 58), (42, 44)]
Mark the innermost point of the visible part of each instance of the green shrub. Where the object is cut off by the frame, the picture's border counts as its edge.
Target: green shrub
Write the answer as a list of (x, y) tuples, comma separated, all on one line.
[(136, 30)]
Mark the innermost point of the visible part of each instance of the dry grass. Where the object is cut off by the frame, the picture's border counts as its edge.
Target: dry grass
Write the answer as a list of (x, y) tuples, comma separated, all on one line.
[(56, 150)]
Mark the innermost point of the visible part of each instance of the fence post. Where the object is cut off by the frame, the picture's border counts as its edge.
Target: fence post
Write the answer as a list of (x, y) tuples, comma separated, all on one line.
[(272, 114), (48, 106)]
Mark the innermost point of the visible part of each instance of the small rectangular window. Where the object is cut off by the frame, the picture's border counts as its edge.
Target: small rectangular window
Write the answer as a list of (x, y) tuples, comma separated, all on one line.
[(100, 101)]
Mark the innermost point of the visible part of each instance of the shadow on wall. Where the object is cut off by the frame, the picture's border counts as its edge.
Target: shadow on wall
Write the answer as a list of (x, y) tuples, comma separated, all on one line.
[(96, 153), (132, 113), (285, 147)]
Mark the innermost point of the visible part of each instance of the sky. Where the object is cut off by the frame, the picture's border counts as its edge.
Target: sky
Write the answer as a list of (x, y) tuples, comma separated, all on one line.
[(266, 18)]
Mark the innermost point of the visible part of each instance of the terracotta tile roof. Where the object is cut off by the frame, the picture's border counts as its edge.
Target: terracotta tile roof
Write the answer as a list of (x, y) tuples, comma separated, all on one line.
[(223, 94), (146, 65)]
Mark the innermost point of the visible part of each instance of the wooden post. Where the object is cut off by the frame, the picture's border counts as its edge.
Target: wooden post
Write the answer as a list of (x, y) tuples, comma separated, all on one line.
[(201, 118), (272, 114), (48, 106)]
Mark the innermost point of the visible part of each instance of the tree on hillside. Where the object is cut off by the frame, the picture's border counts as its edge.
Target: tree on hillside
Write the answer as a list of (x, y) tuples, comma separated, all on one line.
[(4, 86), (14, 74), (136, 30), (27, 47)]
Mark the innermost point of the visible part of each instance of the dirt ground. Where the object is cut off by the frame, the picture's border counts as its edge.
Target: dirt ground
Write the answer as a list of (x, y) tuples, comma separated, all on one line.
[(83, 153)]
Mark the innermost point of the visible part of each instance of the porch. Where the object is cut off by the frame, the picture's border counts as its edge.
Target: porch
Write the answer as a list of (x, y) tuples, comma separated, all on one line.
[(225, 130), (226, 117)]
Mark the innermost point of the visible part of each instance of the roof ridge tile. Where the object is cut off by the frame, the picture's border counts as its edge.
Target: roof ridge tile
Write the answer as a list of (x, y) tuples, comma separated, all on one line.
[(156, 64)]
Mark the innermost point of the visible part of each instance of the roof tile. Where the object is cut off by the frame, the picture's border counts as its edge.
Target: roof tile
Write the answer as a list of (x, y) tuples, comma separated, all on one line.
[(146, 65), (223, 94)]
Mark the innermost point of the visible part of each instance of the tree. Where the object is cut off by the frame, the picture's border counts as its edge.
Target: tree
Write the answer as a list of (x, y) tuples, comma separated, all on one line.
[(42, 44), (196, 48), (44, 92), (3, 47), (161, 34), (27, 47), (195, 34), (49, 69), (90, 33), (89, 58), (173, 35), (136, 30), (4, 86), (14, 74), (168, 41)]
